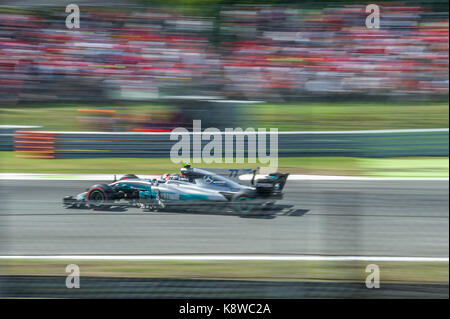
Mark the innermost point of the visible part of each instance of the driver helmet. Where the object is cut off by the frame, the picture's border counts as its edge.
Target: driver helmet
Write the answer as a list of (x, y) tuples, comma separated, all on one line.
[(187, 165)]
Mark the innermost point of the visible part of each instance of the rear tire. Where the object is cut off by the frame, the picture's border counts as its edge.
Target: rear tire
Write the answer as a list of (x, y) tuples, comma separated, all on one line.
[(244, 203)]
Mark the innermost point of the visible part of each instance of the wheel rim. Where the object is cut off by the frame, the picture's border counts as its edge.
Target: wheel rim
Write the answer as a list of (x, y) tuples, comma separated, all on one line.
[(244, 205), (96, 198)]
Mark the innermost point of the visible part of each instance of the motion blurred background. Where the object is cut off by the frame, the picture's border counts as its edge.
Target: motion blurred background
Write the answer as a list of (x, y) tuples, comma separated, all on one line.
[(140, 67)]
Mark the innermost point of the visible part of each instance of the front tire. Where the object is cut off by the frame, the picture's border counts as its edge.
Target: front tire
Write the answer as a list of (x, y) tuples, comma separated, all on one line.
[(100, 197)]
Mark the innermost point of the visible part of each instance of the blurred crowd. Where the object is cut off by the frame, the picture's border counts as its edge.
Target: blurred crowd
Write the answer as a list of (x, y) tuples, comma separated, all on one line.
[(330, 51), (254, 53)]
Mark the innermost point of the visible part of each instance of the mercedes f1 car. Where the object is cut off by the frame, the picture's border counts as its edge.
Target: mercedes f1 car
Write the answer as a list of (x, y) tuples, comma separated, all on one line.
[(192, 189)]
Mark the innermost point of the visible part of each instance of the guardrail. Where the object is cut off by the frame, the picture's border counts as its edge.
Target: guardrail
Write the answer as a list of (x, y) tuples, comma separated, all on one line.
[(7, 135), (375, 143)]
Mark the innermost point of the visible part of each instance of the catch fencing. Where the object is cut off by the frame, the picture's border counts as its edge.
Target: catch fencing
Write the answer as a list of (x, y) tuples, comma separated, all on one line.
[(376, 143)]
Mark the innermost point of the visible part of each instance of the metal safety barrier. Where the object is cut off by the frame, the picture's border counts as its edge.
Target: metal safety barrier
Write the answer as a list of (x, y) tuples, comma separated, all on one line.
[(7, 133), (375, 143)]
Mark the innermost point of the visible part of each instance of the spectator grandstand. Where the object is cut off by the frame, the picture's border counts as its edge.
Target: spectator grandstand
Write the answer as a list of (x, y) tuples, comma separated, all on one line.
[(250, 52)]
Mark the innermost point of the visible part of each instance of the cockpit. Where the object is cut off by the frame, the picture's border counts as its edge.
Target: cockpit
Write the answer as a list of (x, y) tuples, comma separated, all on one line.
[(200, 177)]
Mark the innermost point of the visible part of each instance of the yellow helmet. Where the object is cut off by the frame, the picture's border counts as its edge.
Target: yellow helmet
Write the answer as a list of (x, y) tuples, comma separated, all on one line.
[(187, 165)]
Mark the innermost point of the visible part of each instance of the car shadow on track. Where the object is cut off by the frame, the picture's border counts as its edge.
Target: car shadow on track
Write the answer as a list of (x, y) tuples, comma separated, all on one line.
[(111, 209), (267, 213), (280, 210), (296, 212)]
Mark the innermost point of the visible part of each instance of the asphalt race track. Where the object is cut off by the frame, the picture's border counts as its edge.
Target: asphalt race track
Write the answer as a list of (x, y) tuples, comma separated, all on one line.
[(111, 287), (368, 218)]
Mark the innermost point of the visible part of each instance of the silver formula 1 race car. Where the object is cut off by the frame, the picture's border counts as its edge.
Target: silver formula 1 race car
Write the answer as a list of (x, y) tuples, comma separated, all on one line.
[(193, 189)]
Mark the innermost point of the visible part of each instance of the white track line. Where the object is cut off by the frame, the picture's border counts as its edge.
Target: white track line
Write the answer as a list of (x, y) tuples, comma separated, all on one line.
[(254, 132), (110, 177), (226, 258), (67, 177), (348, 178)]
